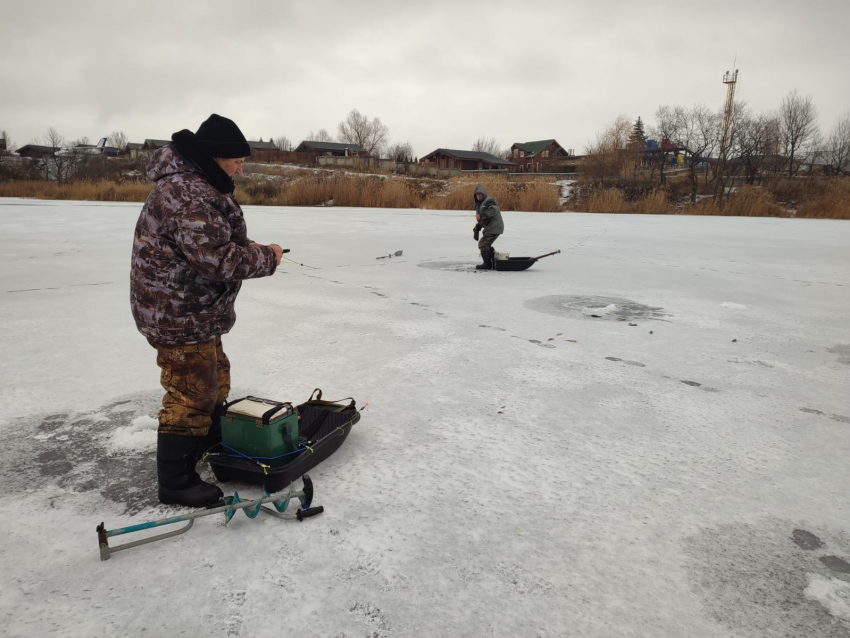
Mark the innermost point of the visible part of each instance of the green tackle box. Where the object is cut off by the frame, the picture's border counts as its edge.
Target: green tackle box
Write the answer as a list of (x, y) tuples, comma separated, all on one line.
[(262, 429)]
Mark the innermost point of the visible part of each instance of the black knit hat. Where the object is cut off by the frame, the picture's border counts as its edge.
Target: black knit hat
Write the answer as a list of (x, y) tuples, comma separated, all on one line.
[(222, 138)]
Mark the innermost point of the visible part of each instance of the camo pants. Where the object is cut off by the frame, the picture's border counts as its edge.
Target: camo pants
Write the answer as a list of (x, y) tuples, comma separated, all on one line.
[(196, 378), (486, 242)]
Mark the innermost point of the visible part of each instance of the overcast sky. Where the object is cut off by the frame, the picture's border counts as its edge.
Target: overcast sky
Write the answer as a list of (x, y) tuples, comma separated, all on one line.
[(438, 74)]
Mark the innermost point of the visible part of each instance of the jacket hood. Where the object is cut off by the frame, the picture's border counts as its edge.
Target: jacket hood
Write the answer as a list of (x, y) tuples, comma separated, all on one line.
[(186, 155), (480, 189), (165, 161)]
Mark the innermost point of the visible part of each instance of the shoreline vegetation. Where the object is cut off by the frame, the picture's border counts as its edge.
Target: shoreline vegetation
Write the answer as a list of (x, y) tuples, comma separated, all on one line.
[(284, 185)]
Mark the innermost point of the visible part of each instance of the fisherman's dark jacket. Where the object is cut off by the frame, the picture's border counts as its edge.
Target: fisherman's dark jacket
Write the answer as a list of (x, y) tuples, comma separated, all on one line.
[(190, 254), (489, 215)]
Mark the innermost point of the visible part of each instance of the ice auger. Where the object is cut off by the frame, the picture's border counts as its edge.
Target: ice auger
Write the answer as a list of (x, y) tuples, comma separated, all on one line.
[(280, 501)]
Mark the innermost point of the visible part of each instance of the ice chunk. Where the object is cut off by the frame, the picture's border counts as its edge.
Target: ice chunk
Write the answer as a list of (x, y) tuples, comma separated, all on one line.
[(139, 435), (607, 310)]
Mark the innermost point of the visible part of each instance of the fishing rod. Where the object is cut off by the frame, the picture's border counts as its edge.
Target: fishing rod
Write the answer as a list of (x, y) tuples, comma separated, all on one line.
[(295, 263)]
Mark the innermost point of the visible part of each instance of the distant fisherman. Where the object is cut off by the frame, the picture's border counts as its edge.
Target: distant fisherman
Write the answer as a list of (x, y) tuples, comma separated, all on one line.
[(489, 218), (191, 253)]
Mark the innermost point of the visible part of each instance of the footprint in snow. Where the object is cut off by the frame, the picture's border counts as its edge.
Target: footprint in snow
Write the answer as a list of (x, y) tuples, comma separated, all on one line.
[(835, 417), (536, 342), (631, 363)]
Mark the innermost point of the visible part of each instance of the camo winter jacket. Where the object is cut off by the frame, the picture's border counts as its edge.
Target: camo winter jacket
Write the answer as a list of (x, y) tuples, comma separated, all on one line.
[(190, 255)]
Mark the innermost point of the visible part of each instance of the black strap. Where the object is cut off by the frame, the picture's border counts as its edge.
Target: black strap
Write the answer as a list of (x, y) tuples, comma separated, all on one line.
[(318, 401), (307, 433), (287, 436)]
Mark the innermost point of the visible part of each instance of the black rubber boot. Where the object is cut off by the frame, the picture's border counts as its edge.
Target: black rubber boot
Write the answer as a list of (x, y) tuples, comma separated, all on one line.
[(213, 437), (179, 484), (487, 256)]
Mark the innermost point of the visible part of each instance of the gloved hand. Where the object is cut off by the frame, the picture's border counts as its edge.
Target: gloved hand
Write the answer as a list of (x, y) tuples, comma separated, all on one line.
[(475, 232)]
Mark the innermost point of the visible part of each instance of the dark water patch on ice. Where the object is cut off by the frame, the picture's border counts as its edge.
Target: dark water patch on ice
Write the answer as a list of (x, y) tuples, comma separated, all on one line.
[(806, 540), (692, 383), (452, 266), (836, 564), (843, 352), (594, 308), (76, 452), (752, 578), (810, 411)]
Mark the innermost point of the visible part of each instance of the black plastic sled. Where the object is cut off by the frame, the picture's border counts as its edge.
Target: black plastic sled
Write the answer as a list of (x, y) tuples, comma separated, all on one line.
[(519, 263), (322, 429)]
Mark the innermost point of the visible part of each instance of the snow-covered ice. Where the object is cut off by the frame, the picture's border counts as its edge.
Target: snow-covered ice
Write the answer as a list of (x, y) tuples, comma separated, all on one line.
[(523, 469), (832, 593)]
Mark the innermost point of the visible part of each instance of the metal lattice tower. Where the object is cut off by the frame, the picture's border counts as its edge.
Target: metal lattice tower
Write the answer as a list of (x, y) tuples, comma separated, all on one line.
[(729, 79)]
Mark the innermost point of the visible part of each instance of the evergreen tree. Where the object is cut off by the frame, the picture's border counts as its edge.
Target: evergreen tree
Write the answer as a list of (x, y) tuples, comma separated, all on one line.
[(637, 138)]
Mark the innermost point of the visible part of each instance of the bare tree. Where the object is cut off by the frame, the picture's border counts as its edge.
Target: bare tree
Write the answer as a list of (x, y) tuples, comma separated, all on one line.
[(117, 139), (321, 136), (798, 120), (697, 133), (371, 135), (400, 152), (488, 145), (755, 138), (283, 143), (54, 140), (838, 144), (813, 152), (607, 153), (664, 130), (62, 164)]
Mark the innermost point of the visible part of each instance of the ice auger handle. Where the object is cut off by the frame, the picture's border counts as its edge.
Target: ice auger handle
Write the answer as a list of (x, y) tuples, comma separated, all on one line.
[(302, 514), (308, 491)]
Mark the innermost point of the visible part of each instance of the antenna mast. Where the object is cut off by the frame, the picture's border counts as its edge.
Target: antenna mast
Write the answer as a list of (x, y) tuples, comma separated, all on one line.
[(730, 80)]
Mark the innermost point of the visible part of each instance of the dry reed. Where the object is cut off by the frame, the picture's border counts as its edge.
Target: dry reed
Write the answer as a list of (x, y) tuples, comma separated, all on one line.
[(300, 187), (608, 200), (654, 203), (100, 191), (834, 203)]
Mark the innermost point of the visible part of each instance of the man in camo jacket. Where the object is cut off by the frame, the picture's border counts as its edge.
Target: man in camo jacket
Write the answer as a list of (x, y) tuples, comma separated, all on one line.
[(191, 253)]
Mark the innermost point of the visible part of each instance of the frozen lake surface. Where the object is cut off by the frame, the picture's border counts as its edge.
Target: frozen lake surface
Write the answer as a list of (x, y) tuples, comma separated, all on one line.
[(676, 465)]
